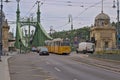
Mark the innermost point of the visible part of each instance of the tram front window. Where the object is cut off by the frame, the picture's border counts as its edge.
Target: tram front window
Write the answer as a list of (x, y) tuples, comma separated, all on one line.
[(66, 43)]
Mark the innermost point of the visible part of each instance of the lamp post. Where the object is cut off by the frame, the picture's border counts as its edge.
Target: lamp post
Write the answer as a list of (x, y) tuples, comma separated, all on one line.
[(18, 18), (25, 39), (51, 29), (71, 21), (117, 27), (1, 20), (25, 36), (20, 45)]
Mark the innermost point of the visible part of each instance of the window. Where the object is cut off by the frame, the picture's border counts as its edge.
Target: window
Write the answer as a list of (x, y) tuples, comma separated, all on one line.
[(106, 44), (66, 43)]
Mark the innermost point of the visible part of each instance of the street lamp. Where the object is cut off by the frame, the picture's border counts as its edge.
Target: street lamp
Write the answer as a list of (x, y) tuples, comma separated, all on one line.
[(25, 39), (20, 45), (18, 1), (26, 36), (18, 17), (71, 21), (1, 20), (51, 29), (117, 27)]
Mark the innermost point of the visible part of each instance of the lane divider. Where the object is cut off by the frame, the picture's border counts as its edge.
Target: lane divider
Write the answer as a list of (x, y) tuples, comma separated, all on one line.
[(57, 69)]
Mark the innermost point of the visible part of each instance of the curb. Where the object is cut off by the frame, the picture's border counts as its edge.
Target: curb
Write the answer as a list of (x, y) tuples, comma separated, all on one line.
[(4, 68), (7, 74)]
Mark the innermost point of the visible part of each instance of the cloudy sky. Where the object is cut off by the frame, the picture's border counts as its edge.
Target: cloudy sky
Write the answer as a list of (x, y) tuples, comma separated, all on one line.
[(55, 12)]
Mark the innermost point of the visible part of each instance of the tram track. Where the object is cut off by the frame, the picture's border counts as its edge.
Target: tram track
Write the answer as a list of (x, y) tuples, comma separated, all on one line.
[(97, 63)]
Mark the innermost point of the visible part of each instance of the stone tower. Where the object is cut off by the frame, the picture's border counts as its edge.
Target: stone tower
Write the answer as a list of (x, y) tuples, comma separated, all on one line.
[(103, 33)]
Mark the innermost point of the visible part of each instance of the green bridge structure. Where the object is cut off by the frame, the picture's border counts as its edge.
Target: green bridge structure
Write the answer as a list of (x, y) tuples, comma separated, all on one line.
[(37, 39)]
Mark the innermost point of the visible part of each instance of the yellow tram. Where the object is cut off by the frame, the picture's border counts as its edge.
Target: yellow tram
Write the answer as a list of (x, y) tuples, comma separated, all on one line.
[(58, 46)]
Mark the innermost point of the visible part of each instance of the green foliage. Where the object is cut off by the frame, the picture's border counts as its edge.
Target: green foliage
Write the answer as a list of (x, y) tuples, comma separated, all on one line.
[(82, 34)]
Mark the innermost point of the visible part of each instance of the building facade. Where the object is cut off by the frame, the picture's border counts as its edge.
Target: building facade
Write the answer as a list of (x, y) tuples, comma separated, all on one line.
[(103, 33), (5, 34)]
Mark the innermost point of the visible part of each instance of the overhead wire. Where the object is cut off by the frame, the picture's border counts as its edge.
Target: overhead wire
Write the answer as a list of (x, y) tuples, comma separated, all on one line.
[(57, 5), (63, 25), (33, 7), (82, 12), (85, 10), (30, 9), (73, 5), (89, 8)]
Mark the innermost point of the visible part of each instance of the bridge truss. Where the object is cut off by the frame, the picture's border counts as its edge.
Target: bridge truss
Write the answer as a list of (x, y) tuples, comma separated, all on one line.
[(25, 42)]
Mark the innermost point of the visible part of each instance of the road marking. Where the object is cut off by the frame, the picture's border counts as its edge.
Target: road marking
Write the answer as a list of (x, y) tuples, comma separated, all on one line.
[(75, 79), (51, 78), (57, 69), (47, 63)]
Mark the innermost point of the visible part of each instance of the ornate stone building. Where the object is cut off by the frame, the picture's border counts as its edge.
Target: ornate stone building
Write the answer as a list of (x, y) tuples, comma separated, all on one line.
[(5, 34), (103, 33)]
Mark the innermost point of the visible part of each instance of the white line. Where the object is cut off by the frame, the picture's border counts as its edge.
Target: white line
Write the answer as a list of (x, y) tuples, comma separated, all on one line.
[(57, 69), (47, 63), (75, 79)]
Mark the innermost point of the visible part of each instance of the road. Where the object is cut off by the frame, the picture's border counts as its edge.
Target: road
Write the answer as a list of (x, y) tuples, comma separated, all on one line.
[(61, 67)]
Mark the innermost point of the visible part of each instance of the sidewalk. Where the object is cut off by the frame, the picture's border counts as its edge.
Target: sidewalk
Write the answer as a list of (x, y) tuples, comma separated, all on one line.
[(4, 70)]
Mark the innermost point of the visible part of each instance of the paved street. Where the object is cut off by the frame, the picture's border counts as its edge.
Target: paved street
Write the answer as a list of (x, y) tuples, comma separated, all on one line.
[(4, 70), (59, 27), (58, 67)]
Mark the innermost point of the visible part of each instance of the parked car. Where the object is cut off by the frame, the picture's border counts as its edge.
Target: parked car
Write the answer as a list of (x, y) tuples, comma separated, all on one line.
[(43, 51)]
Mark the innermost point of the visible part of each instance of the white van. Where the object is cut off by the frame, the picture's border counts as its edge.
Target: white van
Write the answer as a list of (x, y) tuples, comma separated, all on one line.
[(85, 47)]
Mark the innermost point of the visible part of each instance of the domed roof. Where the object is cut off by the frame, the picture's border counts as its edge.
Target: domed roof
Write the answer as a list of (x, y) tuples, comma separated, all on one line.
[(102, 16)]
